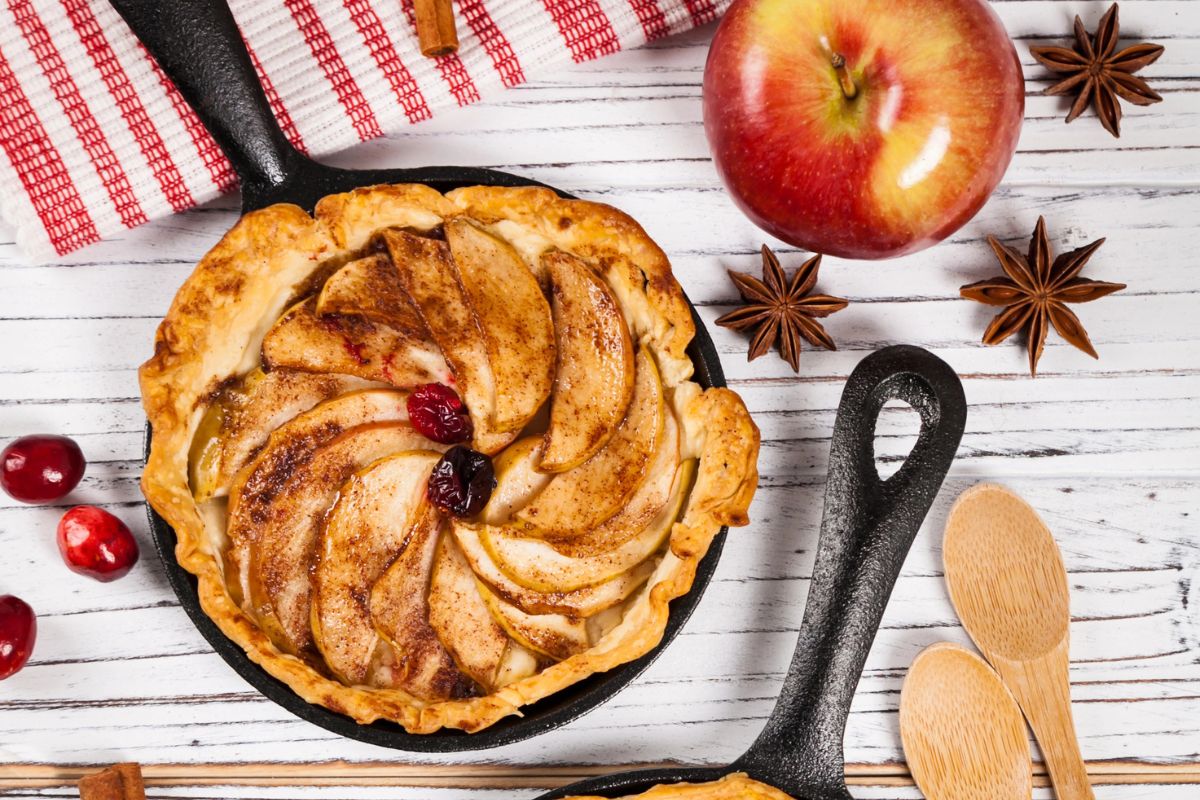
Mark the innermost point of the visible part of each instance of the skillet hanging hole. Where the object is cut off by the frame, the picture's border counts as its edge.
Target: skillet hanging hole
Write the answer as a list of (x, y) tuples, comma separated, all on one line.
[(896, 430)]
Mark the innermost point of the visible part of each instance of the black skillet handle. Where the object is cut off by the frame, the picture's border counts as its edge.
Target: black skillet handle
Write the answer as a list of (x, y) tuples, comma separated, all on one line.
[(866, 533), (198, 45)]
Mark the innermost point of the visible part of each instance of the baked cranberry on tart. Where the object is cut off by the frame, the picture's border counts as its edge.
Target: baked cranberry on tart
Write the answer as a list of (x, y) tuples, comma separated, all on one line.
[(436, 457)]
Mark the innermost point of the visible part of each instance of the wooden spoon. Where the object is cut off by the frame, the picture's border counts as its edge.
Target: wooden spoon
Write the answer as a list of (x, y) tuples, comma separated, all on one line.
[(964, 738), (1009, 587)]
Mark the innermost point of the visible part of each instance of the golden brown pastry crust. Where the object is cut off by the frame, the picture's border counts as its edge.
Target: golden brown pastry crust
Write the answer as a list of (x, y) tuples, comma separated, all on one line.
[(212, 332), (737, 786)]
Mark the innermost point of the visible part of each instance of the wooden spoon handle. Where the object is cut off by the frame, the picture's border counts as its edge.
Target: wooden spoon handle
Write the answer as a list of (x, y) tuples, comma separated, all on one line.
[(1043, 690)]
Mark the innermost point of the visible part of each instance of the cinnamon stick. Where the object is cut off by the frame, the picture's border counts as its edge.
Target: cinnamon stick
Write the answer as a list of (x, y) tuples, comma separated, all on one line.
[(436, 30), (118, 782)]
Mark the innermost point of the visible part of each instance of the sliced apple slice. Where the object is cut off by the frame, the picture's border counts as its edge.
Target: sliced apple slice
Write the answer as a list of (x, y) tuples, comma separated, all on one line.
[(431, 280), (552, 635), (293, 501), (584, 602), (460, 617), (518, 663), (514, 318), (350, 345), (639, 511), (594, 375), (255, 490), (589, 494), (517, 480), (536, 564), (290, 448), (371, 288), (370, 523), (419, 664), (238, 424)]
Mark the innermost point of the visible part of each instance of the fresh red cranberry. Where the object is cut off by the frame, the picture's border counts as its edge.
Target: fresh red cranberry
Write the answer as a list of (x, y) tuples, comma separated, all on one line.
[(18, 631), (95, 543), (41, 468), (439, 414), (462, 482)]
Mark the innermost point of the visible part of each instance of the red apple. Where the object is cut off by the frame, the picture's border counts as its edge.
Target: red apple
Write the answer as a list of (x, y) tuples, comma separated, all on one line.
[(862, 128)]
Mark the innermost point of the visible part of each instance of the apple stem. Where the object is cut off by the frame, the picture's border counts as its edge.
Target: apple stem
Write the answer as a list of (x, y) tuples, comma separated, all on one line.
[(849, 88)]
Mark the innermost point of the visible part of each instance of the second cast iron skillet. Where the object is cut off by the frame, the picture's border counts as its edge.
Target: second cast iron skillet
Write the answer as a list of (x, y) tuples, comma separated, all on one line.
[(866, 532), (198, 45)]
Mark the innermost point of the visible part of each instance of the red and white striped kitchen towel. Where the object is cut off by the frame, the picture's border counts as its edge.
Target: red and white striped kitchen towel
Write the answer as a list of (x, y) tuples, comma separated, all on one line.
[(95, 139)]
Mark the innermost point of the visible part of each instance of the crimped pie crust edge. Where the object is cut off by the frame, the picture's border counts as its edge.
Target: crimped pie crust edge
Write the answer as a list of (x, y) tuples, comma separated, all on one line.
[(213, 330)]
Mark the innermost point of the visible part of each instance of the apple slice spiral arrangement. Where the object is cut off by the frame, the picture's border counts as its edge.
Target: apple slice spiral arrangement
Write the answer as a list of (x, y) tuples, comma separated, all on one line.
[(345, 562), (459, 468)]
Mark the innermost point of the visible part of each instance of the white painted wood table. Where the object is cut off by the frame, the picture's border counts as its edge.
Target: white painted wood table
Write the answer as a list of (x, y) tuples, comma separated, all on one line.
[(1108, 451)]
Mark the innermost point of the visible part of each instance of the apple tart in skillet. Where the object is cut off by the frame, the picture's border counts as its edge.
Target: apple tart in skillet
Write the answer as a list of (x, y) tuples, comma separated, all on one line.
[(435, 457)]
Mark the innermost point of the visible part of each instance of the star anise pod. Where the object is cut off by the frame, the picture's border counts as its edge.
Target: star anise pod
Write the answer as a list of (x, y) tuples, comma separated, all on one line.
[(783, 310), (1036, 292), (1097, 74)]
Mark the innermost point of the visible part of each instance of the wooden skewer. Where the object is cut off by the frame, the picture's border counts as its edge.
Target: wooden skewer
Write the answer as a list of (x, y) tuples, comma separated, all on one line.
[(436, 30), (501, 776)]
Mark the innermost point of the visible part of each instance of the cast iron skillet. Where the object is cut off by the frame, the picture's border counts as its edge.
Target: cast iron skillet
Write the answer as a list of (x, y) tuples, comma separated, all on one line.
[(198, 45), (868, 527)]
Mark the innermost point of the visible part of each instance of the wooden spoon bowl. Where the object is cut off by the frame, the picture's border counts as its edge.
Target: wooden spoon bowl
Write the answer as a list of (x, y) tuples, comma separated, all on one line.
[(963, 734)]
